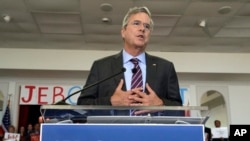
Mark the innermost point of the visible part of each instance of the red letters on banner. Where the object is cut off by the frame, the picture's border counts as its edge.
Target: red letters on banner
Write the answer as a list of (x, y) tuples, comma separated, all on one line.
[(42, 94)]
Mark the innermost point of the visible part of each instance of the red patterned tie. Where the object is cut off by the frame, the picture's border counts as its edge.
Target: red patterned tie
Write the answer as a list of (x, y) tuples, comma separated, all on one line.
[(137, 74)]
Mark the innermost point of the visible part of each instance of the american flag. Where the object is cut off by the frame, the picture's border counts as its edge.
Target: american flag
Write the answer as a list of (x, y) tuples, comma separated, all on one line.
[(6, 119)]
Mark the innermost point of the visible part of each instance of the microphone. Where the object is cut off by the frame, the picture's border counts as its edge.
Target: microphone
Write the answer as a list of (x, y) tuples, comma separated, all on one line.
[(62, 102), (134, 70)]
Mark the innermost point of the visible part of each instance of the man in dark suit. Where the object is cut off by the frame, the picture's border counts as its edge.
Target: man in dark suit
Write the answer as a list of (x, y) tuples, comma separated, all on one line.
[(160, 83)]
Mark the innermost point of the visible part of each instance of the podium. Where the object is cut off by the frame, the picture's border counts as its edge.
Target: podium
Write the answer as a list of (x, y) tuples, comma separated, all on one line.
[(120, 128)]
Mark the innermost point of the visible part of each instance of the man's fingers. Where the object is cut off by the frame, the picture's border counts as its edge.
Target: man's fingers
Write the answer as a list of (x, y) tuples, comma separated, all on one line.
[(137, 99)]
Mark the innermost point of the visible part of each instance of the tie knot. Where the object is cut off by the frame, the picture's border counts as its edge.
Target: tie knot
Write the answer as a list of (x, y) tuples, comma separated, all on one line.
[(134, 60)]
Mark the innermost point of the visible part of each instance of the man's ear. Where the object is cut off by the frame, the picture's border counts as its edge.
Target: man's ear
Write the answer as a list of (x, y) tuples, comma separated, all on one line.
[(122, 32)]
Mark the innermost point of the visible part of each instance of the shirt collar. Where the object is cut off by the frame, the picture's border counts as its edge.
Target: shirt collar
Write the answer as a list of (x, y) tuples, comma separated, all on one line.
[(127, 57)]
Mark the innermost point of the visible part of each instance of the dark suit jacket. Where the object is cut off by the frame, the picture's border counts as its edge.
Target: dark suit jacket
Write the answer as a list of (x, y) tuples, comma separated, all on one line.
[(160, 75), (209, 132)]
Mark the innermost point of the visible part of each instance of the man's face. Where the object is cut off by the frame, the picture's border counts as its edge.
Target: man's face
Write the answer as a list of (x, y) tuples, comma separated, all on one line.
[(137, 32), (217, 124)]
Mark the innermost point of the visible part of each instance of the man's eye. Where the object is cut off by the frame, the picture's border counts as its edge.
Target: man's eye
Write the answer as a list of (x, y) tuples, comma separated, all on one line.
[(147, 26), (136, 23)]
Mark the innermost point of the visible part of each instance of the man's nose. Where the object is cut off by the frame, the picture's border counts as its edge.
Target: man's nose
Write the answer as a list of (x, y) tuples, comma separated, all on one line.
[(142, 27)]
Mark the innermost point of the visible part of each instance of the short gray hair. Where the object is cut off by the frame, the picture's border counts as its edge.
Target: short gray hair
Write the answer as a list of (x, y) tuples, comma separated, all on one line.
[(136, 10)]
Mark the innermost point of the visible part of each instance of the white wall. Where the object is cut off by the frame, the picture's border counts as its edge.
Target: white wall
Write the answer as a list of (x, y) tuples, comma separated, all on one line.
[(239, 104), (81, 60)]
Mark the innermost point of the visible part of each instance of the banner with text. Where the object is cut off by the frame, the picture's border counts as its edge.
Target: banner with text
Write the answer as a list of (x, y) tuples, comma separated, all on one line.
[(49, 94)]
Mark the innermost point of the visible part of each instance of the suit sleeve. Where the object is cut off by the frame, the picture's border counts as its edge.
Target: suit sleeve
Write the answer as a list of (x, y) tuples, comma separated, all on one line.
[(172, 98)]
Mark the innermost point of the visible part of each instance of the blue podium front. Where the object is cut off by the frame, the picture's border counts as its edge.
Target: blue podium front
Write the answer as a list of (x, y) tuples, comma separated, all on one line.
[(122, 132)]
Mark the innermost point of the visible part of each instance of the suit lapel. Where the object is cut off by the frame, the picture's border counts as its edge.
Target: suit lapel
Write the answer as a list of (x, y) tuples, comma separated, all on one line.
[(151, 71), (117, 66)]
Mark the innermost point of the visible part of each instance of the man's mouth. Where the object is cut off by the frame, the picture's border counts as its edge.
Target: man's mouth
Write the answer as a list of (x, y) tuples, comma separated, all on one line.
[(141, 36)]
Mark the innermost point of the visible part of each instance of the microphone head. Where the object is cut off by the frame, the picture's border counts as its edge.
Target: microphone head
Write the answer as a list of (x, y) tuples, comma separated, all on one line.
[(123, 69), (134, 70)]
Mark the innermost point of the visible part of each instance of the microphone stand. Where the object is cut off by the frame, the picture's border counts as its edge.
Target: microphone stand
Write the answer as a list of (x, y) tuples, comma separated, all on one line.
[(62, 102)]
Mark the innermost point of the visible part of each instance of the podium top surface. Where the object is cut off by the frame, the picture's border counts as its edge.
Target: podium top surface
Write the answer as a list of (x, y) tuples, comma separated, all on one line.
[(104, 107), (147, 119), (119, 114)]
